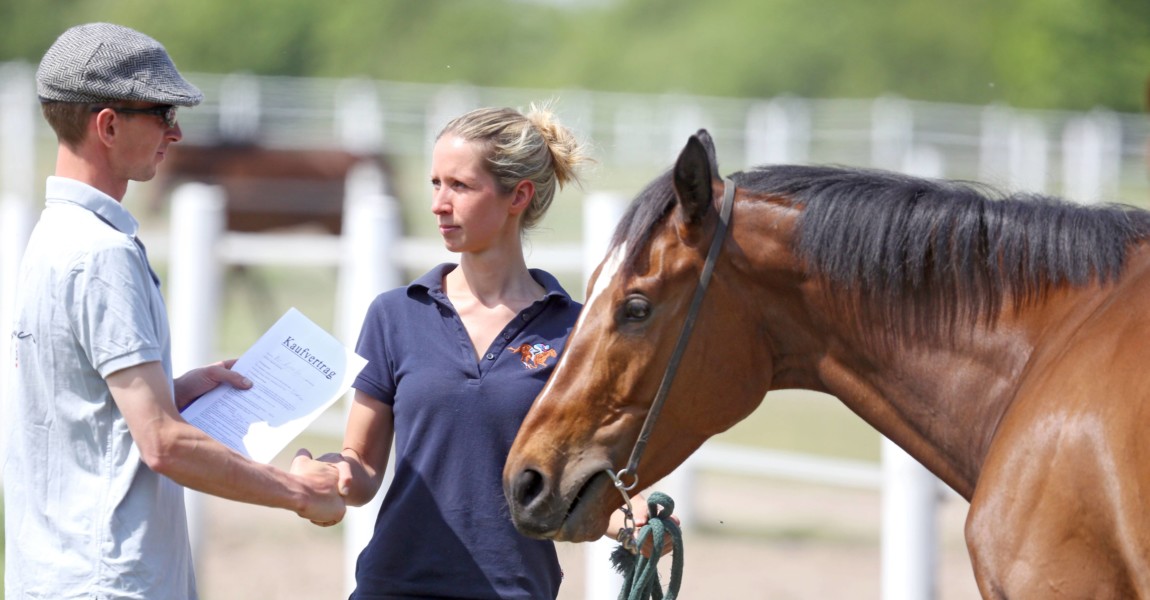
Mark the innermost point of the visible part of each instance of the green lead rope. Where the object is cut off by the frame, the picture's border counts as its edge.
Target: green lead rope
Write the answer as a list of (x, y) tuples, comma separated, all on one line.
[(641, 577)]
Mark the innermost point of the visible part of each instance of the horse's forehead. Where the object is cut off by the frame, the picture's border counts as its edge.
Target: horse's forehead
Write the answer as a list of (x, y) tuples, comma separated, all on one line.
[(607, 273)]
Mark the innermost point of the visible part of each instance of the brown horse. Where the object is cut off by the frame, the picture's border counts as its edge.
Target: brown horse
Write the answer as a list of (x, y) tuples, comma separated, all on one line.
[(268, 188), (999, 340)]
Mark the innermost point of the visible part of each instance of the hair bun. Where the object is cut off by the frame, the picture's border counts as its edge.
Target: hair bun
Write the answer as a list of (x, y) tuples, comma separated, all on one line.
[(567, 152)]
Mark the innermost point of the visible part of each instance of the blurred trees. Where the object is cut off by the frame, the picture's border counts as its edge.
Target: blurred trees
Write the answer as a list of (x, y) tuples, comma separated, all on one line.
[(1072, 54)]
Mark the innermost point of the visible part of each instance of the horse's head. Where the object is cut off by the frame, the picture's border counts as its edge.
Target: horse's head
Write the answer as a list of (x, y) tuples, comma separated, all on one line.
[(589, 416)]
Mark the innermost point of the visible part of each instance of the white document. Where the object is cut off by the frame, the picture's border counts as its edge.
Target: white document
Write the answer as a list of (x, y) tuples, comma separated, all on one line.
[(297, 371)]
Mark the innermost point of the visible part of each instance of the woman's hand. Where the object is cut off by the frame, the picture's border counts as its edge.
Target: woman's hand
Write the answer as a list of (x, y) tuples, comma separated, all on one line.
[(642, 516)]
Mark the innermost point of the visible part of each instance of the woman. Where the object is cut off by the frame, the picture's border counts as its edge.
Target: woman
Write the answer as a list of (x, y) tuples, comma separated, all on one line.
[(455, 360)]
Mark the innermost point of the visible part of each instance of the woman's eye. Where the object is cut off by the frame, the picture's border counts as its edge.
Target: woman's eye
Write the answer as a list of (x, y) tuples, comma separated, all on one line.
[(636, 309)]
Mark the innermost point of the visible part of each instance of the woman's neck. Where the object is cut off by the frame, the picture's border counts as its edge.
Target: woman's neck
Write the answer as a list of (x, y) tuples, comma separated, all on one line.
[(494, 280)]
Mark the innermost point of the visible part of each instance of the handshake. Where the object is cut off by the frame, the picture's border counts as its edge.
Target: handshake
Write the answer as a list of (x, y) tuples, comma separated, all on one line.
[(326, 484)]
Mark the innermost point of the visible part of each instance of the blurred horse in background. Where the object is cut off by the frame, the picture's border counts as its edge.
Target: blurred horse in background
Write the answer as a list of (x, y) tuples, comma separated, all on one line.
[(1001, 341), (269, 188)]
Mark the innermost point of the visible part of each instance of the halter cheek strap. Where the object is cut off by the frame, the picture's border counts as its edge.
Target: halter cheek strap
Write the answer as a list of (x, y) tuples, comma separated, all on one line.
[(676, 355)]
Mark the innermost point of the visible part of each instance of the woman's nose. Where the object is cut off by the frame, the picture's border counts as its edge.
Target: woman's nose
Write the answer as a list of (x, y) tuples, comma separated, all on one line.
[(439, 202)]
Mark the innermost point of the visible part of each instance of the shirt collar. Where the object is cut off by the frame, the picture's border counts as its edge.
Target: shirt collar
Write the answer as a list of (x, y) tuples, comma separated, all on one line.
[(432, 281), (62, 190)]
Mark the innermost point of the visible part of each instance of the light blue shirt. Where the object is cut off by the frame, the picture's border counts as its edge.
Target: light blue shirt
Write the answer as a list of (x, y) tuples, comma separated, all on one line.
[(84, 516)]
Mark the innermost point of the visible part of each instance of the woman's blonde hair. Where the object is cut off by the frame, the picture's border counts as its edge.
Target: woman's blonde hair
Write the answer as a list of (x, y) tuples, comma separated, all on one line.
[(535, 147)]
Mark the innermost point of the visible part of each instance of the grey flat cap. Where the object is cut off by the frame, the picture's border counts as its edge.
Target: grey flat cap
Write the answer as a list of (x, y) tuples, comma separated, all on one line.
[(101, 61)]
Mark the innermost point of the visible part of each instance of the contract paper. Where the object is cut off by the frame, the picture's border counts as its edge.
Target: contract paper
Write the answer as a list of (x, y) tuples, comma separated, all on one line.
[(297, 371)]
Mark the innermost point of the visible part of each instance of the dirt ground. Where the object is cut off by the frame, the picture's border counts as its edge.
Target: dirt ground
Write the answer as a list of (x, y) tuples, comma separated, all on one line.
[(745, 538)]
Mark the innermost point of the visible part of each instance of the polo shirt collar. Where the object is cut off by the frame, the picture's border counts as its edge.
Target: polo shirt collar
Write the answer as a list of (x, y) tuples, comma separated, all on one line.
[(432, 281), (62, 190)]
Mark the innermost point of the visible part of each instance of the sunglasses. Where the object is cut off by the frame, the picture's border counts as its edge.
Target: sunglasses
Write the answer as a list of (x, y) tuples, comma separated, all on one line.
[(166, 112)]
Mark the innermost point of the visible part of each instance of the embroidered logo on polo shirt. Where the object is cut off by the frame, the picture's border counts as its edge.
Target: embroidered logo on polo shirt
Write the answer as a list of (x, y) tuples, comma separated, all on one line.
[(534, 356)]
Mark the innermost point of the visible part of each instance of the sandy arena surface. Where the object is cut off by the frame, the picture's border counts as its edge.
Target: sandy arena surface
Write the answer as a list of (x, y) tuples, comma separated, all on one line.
[(751, 539)]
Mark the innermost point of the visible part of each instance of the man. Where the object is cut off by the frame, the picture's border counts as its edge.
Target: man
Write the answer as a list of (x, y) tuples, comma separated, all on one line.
[(98, 452)]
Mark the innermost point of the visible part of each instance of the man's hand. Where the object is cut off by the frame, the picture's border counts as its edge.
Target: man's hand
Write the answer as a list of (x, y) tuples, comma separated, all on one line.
[(327, 484), (197, 382)]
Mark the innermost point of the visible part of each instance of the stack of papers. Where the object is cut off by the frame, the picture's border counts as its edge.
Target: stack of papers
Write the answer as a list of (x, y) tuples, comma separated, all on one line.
[(297, 370)]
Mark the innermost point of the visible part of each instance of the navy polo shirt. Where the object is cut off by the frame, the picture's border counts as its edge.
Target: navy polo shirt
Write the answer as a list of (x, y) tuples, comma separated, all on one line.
[(444, 530)]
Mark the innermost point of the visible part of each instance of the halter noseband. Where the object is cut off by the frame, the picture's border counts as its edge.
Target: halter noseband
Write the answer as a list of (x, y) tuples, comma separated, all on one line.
[(625, 535)]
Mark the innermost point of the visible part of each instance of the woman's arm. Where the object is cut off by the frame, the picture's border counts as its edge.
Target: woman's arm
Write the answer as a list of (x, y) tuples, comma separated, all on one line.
[(366, 449)]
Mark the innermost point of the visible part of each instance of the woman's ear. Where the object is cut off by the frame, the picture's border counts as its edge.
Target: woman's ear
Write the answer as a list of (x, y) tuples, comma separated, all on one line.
[(521, 196)]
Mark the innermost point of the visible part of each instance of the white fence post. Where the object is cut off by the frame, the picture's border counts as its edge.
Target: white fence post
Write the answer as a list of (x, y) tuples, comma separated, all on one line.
[(359, 116), (924, 161), (197, 223), (1091, 156), (908, 519), (909, 545), (778, 132), (909, 526), (632, 124), (16, 221), (892, 132), (372, 227), (994, 135), (451, 101), (240, 109), (17, 199), (684, 119), (601, 212), (18, 117), (1027, 147)]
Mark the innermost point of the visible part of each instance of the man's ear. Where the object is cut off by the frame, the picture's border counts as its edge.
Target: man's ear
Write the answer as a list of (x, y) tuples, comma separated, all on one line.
[(104, 126)]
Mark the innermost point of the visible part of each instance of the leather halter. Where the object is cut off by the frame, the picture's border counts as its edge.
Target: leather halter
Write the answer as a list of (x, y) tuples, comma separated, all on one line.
[(680, 345)]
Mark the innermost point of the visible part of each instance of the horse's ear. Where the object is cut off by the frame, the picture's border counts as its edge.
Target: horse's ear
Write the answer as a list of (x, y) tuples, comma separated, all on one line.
[(695, 171)]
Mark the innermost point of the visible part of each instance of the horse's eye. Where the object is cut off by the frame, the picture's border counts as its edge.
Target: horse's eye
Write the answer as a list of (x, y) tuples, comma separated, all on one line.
[(636, 308)]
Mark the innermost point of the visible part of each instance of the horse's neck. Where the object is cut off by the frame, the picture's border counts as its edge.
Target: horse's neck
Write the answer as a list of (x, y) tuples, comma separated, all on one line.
[(940, 406), (943, 400)]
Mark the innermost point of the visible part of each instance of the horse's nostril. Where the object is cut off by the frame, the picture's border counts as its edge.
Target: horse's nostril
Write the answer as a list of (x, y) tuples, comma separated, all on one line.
[(528, 486)]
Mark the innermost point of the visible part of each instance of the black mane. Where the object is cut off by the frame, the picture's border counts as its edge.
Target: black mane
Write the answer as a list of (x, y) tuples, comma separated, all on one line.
[(638, 223), (924, 254)]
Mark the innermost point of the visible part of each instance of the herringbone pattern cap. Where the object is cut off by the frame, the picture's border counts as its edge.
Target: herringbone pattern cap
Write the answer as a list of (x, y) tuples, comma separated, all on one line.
[(101, 61)]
